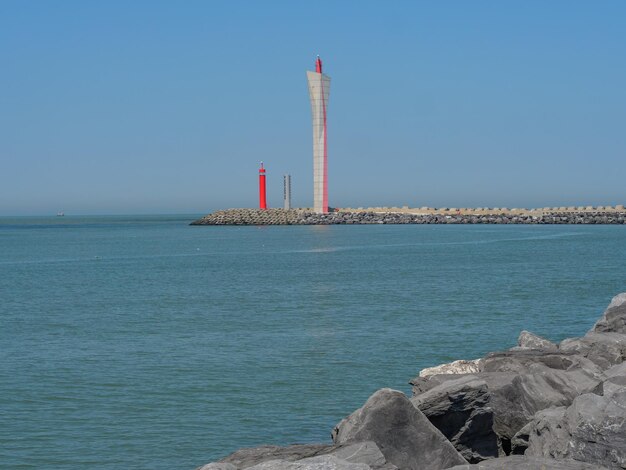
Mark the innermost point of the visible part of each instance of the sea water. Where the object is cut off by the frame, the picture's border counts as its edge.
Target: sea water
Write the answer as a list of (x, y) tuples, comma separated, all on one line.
[(143, 342)]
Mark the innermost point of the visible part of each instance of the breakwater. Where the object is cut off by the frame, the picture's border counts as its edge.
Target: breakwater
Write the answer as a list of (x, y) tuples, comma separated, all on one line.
[(407, 216), (537, 405)]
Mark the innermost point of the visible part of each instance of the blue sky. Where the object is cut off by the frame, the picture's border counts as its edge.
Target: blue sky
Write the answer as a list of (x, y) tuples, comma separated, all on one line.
[(163, 107)]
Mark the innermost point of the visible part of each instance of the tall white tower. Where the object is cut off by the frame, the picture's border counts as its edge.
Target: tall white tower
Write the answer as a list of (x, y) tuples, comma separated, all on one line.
[(319, 91)]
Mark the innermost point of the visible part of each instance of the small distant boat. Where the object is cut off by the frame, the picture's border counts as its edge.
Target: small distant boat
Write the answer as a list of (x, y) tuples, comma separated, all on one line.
[(60, 214)]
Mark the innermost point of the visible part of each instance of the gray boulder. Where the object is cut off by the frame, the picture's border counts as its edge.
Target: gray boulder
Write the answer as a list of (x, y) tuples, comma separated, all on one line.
[(592, 430), (614, 318), (603, 349), (460, 410), (530, 340), (518, 462), (403, 434), (515, 403), (526, 381)]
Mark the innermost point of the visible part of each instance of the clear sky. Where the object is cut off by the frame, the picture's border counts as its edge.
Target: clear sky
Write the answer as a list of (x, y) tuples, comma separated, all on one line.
[(168, 106)]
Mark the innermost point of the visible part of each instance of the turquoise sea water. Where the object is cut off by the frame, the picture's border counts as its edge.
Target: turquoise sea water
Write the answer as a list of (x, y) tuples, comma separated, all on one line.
[(142, 342)]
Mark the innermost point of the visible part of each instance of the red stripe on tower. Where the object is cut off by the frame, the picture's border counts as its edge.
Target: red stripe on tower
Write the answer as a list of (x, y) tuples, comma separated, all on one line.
[(325, 163)]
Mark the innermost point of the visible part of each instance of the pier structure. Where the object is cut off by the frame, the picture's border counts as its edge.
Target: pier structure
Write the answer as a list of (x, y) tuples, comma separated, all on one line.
[(319, 92), (287, 192), (610, 215)]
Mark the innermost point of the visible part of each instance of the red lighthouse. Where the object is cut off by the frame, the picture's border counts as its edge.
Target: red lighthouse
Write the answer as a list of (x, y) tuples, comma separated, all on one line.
[(262, 201)]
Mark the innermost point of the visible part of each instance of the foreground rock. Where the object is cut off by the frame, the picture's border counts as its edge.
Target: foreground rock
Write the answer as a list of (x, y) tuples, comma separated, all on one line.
[(538, 405), (403, 434)]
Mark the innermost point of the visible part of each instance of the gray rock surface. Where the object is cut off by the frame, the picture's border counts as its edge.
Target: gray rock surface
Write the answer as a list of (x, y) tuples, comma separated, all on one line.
[(530, 340), (366, 452), (592, 429), (518, 462), (524, 361), (461, 366), (614, 318), (356, 452), (615, 381), (519, 442), (322, 462), (604, 349), (248, 457), (515, 403), (423, 384), (616, 370), (403, 434), (218, 466), (460, 410)]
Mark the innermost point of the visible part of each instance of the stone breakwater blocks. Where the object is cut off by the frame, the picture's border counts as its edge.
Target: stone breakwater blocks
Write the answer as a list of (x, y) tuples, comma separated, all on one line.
[(397, 216), (253, 217)]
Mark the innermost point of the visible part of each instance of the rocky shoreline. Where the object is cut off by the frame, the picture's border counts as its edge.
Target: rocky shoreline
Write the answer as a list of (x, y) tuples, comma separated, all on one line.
[(538, 405), (307, 217)]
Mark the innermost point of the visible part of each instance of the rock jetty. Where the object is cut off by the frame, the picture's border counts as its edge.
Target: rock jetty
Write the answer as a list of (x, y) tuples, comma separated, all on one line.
[(430, 216), (538, 405)]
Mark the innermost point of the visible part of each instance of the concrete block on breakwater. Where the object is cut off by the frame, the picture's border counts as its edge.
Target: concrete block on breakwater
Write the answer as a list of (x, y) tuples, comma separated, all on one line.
[(396, 215)]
